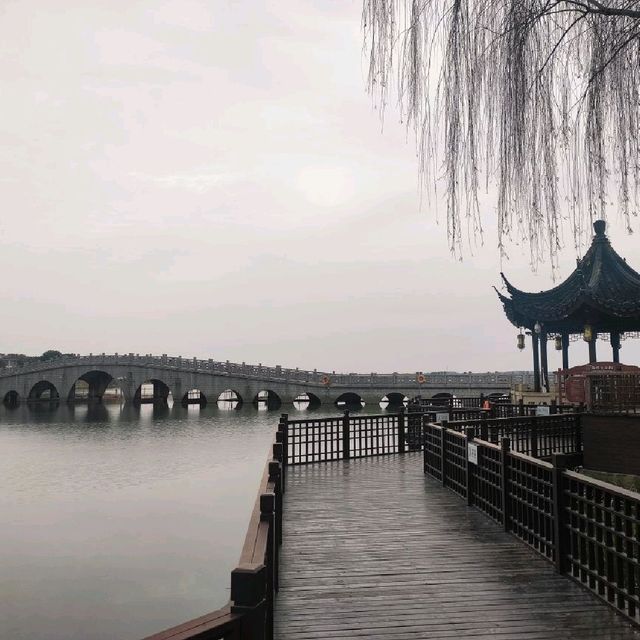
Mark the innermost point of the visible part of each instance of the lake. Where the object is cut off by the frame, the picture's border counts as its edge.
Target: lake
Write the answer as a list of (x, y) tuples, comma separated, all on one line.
[(120, 521)]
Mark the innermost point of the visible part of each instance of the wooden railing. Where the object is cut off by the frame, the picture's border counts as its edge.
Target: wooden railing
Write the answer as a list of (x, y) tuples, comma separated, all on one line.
[(344, 437), (537, 436), (475, 407), (587, 528), (254, 582), (613, 391)]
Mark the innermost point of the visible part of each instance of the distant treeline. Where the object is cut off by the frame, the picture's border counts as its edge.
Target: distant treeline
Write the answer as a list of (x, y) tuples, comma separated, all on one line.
[(11, 360)]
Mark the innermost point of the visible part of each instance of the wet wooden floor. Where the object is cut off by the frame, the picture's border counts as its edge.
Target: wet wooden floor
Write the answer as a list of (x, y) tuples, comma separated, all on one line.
[(374, 549)]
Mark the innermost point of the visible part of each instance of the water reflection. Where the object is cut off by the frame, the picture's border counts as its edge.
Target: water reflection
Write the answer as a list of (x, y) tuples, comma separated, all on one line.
[(120, 520)]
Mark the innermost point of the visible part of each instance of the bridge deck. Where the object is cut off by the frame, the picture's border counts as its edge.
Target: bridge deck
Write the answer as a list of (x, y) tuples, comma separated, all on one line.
[(374, 549)]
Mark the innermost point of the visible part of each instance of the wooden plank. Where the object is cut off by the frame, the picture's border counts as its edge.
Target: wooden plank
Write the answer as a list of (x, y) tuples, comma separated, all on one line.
[(375, 549)]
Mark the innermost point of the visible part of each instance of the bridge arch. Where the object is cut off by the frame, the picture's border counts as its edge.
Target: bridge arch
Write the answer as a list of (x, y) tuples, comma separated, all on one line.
[(43, 391), (93, 385), (307, 400), (267, 399), (152, 391), (11, 399), (229, 400), (394, 399), (349, 400), (194, 397)]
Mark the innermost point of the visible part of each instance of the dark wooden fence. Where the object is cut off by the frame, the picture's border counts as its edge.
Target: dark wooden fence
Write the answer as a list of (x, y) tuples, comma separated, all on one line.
[(537, 436), (254, 582), (613, 391), (588, 529), (344, 437)]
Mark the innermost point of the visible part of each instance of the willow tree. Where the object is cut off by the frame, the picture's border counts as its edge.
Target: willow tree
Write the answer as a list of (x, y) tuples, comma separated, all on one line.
[(539, 98)]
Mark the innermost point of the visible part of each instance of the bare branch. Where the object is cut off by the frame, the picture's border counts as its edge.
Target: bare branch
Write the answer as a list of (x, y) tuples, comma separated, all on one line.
[(540, 98)]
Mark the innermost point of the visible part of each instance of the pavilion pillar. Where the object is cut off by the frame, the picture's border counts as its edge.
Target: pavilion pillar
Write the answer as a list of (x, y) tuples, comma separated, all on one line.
[(615, 345), (565, 350), (592, 348), (536, 362), (544, 363)]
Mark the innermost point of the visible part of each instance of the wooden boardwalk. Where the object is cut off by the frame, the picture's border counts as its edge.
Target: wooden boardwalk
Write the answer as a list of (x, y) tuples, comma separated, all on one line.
[(374, 549)]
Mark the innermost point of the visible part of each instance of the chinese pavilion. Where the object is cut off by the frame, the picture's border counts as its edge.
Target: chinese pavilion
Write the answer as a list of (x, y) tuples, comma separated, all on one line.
[(600, 299)]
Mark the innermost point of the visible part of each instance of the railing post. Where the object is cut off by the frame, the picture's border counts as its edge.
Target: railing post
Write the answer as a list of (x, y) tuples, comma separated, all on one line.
[(275, 476), (267, 511), (248, 591), (284, 423), (559, 461), (401, 430), (505, 448), (521, 407), (469, 431), (346, 440), (280, 456), (534, 436), (553, 408), (484, 428), (443, 431), (423, 438), (578, 426)]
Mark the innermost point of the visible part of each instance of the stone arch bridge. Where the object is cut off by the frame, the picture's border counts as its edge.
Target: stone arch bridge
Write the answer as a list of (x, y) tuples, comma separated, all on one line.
[(201, 381)]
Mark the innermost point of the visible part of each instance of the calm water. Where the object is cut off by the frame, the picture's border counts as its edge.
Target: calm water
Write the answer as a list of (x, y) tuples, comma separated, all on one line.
[(117, 522)]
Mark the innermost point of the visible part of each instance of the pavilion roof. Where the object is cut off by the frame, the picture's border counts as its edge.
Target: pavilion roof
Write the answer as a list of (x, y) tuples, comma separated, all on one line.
[(603, 290)]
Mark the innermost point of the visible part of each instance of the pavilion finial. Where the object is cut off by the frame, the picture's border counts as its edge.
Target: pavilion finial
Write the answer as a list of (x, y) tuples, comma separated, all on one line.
[(599, 227)]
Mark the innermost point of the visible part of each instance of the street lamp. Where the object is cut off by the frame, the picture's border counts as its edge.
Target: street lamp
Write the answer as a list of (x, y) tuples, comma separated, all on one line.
[(521, 341), (587, 336), (558, 343)]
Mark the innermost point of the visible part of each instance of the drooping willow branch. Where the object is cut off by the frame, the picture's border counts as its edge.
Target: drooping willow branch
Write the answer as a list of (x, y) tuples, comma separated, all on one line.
[(540, 98)]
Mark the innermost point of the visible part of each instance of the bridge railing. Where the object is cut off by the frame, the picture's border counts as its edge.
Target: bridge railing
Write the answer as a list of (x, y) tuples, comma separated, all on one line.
[(587, 528), (254, 582)]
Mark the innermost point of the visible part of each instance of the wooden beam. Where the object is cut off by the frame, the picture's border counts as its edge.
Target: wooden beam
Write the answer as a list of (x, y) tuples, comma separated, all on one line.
[(536, 362), (592, 348), (543, 357)]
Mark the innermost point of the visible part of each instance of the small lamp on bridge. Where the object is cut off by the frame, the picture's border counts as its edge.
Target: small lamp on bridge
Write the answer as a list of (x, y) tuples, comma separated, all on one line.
[(537, 327), (587, 336), (558, 343), (521, 341)]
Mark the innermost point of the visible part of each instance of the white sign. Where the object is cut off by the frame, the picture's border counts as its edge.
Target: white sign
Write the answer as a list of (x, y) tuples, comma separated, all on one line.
[(472, 452), (442, 417), (543, 410)]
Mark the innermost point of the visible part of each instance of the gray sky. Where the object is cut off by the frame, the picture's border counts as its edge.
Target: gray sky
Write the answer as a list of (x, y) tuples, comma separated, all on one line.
[(209, 178)]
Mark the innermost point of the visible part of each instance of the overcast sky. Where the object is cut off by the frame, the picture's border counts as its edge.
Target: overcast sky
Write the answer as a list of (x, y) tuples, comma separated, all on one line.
[(209, 178)]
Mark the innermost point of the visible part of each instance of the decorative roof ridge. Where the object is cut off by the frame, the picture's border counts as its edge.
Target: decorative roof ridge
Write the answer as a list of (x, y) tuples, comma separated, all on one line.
[(502, 297), (559, 287), (510, 288)]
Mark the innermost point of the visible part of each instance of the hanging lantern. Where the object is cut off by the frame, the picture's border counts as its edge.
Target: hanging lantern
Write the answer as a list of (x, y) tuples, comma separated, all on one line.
[(537, 327), (521, 341), (558, 343), (587, 336)]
